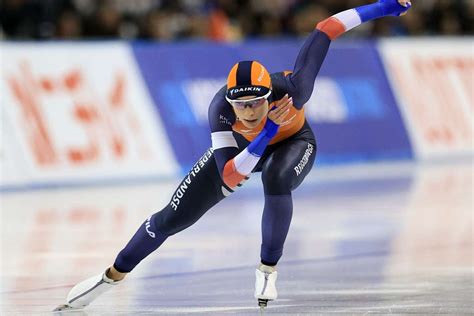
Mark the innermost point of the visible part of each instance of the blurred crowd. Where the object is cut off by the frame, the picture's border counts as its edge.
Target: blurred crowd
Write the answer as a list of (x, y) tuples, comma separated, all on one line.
[(220, 20)]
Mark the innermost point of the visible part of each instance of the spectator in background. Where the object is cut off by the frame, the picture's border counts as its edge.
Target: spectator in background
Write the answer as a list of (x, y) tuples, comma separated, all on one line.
[(18, 18), (221, 20), (303, 18), (447, 17), (69, 25), (105, 22)]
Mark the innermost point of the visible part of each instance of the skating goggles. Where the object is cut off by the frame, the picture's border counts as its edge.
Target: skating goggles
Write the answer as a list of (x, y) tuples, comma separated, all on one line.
[(251, 103)]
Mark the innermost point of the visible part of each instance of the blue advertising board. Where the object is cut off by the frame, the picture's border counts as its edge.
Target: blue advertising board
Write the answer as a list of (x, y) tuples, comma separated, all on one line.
[(183, 77)]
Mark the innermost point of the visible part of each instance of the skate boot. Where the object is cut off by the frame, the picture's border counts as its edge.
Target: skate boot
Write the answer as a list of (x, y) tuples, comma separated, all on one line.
[(83, 293), (265, 289)]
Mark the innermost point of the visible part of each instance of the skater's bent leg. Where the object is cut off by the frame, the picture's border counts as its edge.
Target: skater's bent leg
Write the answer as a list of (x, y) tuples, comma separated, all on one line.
[(276, 221), (282, 172)]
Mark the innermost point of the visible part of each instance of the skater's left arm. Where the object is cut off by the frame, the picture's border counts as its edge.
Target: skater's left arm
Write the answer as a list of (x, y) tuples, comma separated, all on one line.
[(300, 82), (234, 164)]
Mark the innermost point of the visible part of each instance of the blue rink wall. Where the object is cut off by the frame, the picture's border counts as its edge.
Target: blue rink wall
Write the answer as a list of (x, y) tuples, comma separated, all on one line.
[(358, 121), (81, 113)]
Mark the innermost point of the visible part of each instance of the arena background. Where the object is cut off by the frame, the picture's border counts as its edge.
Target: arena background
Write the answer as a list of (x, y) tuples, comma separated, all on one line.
[(104, 108)]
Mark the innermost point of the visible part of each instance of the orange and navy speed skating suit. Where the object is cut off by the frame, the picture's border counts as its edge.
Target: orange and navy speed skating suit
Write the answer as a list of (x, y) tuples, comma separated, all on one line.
[(284, 159)]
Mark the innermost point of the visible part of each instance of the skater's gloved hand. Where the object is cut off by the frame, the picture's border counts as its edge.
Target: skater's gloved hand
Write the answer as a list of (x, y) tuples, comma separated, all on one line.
[(278, 114), (394, 7)]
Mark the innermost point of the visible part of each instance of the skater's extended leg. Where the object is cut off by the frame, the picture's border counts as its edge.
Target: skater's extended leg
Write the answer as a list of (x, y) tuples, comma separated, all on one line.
[(198, 192), (146, 240)]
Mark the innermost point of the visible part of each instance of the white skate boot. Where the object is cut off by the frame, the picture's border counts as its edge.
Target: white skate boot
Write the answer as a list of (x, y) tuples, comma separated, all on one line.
[(265, 288), (83, 293)]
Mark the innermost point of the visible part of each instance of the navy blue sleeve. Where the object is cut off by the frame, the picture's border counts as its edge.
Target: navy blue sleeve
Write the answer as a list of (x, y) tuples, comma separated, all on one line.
[(221, 118), (300, 82)]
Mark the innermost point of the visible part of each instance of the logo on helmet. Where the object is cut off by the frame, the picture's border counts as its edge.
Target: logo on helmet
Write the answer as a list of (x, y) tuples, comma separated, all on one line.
[(246, 89)]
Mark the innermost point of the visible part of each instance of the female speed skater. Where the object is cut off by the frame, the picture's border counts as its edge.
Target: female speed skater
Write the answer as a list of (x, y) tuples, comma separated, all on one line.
[(257, 124)]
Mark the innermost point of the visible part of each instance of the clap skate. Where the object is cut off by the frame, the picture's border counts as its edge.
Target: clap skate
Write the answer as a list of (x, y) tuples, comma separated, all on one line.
[(83, 293), (265, 289)]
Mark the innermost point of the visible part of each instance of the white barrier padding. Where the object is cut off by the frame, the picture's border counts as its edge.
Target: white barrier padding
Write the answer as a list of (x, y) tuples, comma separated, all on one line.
[(433, 83), (77, 111)]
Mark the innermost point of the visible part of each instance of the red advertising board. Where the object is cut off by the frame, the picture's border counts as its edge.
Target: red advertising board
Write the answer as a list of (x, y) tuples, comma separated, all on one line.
[(433, 82), (78, 112)]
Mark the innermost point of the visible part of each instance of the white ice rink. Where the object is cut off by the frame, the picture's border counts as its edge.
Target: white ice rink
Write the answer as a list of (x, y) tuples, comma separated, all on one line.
[(378, 239)]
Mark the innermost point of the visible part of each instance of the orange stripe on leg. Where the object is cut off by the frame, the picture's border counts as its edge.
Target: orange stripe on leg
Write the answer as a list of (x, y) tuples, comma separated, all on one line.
[(332, 27), (231, 176)]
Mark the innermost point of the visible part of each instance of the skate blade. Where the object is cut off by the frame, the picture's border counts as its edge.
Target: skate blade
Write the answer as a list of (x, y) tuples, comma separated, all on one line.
[(262, 302), (67, 308)]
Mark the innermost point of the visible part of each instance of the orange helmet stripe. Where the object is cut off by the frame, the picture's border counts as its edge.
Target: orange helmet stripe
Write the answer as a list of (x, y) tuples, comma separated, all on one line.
[(259, 75), (232, 78)]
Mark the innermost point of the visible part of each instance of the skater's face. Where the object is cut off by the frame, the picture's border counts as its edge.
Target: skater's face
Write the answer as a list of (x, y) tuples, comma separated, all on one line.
[(251, 113)]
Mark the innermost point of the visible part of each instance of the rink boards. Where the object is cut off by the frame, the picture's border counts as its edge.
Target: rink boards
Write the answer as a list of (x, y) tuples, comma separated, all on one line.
[(112, 112)]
